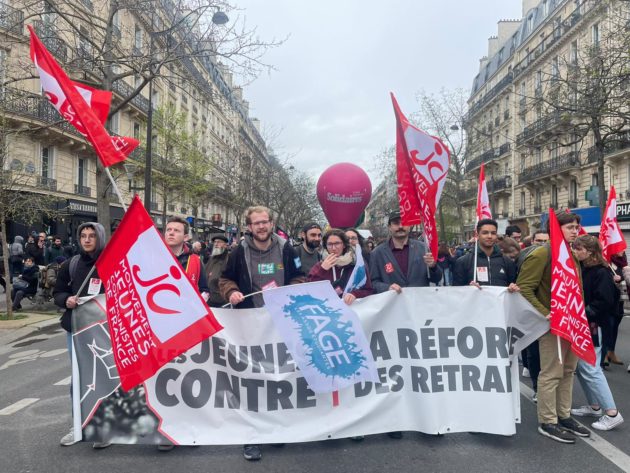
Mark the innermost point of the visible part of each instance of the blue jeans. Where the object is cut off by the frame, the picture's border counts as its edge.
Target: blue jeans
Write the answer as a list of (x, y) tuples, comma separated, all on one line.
[(446, 279), (594, 382)]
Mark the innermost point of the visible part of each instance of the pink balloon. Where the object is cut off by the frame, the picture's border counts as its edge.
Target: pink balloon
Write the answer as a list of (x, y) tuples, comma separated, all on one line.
[(343, 191)]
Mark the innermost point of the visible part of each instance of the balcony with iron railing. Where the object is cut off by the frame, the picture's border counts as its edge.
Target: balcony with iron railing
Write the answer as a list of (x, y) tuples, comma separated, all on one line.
[(11, 19), (537, 209), (47, 183), (124, 90), (543, 125), (82, 190), (488, 156), (550, 167), (35, 107), (612, 147), (49, 35), (500, 86)]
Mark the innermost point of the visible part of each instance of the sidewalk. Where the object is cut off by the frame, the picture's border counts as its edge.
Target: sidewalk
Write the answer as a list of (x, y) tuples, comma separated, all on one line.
[(35, 317)]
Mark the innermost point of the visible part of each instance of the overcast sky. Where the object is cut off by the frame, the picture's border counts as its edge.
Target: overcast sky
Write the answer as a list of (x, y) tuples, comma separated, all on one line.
[(329, 96)]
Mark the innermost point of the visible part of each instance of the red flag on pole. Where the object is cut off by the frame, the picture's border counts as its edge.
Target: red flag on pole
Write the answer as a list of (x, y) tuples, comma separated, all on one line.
[(84, 107), (154, 311), (568, 315), (610, 236), (483, 202), (422, 164)]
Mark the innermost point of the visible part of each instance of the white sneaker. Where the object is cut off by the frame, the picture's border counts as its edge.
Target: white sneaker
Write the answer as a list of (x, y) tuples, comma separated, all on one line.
[(68, 439), (535, 398), (585, 411), (526, 373), (606, 422)]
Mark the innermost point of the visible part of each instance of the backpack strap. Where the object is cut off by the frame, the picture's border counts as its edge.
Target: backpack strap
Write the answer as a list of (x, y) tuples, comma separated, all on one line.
[(74, 262)]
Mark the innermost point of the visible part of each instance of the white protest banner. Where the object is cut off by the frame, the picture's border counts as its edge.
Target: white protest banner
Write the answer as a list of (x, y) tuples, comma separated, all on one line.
[(445, 358)]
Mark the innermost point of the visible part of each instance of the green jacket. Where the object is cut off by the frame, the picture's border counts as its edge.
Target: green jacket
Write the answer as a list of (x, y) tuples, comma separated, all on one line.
[(534, 278)]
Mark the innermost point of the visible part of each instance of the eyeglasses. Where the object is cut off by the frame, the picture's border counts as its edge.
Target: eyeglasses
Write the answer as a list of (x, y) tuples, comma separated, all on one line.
[(353, 238), (334, 244), (260, 223)]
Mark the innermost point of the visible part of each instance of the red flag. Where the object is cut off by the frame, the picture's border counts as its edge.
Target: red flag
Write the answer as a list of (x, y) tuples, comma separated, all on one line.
[(483, 202), (568, 316), (610, 236), (84, 107), (422, 163), (154, 311)]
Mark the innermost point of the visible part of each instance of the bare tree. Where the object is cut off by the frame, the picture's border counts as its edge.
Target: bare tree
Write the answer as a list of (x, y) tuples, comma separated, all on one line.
[(172, 41), (585, 94), (14, 176)]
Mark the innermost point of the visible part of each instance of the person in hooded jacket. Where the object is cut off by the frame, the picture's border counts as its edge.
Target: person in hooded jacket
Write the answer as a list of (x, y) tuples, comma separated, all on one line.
[(336, 266), (493, 268), (16, 255), (73, 272)]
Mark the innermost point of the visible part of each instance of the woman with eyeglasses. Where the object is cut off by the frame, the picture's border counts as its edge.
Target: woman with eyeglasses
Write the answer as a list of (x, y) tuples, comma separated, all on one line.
[(338, 260), (355, 238)]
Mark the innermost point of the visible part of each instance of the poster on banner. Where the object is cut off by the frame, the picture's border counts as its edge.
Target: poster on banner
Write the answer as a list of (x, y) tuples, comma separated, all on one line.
[(445, 357), (323, 335)]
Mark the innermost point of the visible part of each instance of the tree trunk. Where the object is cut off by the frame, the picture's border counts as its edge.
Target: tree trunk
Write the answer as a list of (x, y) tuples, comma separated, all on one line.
[(601, 185), (7, 272)]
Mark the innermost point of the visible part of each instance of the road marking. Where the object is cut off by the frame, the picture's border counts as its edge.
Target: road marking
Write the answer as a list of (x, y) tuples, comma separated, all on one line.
[(602, 446), (63, 382), (13, 408)]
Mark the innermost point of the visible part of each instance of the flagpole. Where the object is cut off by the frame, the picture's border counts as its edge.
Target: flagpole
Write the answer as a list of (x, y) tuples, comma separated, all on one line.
[(476, 251), (117, 191), (559, 349)]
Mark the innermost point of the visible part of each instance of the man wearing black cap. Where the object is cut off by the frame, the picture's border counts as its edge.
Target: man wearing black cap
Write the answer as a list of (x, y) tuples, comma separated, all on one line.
[(400, 262), (214, 268), (309, 250)]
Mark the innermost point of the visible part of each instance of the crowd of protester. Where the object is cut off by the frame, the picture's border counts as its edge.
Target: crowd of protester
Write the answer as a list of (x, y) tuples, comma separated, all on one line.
[(233, 271)]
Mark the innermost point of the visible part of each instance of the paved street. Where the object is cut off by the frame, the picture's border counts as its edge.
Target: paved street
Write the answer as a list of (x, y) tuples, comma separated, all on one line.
[(35, 413)]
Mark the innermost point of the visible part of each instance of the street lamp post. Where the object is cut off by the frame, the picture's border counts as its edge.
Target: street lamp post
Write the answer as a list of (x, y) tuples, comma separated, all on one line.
[(218, 18)]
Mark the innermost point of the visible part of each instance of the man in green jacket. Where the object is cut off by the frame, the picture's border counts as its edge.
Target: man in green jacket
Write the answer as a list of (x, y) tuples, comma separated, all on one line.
[(555, 381)]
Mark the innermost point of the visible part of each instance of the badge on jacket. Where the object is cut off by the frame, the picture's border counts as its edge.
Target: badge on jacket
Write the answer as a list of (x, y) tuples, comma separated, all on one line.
[(389, 268)]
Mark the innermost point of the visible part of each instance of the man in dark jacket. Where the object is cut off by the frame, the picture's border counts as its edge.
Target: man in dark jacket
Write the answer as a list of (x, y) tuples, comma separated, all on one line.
[(262, 261), (72, 274), (28, 283), (55, 250), (401, 262), (493, 269), (214, 269), (310, 249)]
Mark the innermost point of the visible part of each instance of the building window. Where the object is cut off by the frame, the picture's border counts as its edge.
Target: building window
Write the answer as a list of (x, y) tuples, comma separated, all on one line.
[(555, 68), (573, 53), (530, 23), (595, 34), (538, 202), (594, 179), (506, 168), (115, 123), (554, 196), (137, 42), (47, 154), (545, 8), (82, 173), (522, 201), (523, 162), (136, 130), (573, 191), (554, 150), (538, 156)]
